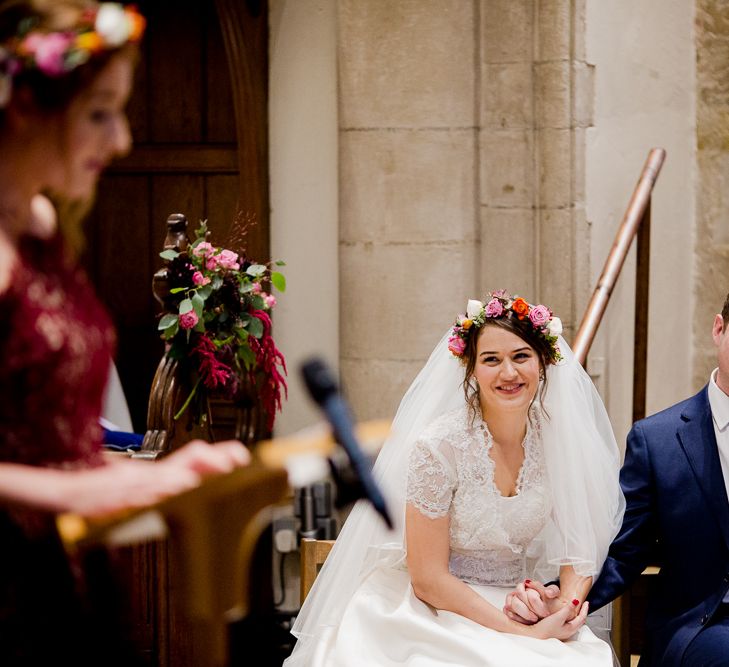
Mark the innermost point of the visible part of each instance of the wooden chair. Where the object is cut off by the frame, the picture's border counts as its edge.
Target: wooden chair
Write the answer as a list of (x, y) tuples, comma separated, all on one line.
[(244, 420), (313, 555)]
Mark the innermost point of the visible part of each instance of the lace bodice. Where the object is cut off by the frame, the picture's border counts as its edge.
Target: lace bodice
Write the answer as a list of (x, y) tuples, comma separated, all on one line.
[(452, 473), (55, 344)]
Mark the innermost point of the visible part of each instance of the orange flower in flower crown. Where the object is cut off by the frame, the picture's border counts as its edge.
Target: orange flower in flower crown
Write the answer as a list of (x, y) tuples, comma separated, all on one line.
[(520, 307)]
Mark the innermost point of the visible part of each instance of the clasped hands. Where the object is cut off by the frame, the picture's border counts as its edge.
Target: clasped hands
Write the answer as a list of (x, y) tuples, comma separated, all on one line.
[(532, 603)]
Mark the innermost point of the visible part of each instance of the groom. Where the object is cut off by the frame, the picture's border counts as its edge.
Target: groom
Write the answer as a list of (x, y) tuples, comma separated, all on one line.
[(676, 482)]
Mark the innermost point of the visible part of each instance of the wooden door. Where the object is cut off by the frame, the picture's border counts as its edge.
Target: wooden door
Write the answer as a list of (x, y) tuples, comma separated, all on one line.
[(201, 83), (198, 117)]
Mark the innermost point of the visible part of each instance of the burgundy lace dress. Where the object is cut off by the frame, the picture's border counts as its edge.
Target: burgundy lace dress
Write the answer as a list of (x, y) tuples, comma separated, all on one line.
[(55, 344)]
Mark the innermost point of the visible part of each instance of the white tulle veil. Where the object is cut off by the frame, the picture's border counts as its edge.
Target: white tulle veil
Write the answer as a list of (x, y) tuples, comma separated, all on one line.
[(582, 460)]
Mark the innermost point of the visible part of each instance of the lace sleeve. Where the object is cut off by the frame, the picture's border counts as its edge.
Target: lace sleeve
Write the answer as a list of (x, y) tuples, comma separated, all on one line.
[(431, 480)]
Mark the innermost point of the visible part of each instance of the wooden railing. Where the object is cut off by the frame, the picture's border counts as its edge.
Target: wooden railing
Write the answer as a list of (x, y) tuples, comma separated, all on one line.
[(635, 224)]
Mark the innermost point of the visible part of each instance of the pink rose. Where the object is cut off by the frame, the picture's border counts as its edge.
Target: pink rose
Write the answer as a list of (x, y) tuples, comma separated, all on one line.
[(456, 345), (49, 51), (539, 315), (256, 288), (188, 320), (270, 300), (203, 249), (228, 260), (212, 263), (199, 279), (494, 308)]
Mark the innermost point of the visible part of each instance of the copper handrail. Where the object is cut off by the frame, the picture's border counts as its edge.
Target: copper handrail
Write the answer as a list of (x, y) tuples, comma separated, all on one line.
[(638, 209)]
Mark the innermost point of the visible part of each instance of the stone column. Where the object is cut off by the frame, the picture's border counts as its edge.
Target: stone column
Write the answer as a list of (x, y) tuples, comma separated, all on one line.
[(535, 103), (407, 155)]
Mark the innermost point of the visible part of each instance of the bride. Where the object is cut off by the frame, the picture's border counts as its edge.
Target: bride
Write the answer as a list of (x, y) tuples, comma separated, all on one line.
[(515, 475)]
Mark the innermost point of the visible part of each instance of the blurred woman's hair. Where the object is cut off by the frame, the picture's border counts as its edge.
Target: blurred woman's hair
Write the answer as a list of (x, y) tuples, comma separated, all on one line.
[(53, 94)]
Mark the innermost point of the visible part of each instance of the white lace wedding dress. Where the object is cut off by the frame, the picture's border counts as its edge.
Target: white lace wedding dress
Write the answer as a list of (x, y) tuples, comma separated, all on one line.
[(492, 540)]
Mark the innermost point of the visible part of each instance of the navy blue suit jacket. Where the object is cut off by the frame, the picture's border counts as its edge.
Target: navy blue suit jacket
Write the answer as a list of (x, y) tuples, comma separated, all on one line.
[(675, 497)]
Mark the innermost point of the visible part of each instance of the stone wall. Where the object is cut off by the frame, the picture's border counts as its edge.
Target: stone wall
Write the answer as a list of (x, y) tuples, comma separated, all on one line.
[(408, 187), (468, 138), (712, 140), (461, 170), (536, 96), (643, 54)]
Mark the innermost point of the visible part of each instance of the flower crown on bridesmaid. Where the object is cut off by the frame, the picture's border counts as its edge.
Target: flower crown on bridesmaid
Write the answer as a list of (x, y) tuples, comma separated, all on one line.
[(501, 305), (106, 27)]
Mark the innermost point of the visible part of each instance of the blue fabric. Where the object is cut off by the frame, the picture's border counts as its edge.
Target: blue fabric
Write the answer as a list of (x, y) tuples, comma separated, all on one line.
[(675, 497), (122, 441), (710, 648)]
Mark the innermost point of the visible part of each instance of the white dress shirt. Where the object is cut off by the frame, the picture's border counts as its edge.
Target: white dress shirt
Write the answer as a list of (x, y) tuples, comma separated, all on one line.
[(719, 403)]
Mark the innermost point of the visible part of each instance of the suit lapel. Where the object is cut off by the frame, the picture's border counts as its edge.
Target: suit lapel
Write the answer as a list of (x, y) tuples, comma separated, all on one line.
[(698, 440)]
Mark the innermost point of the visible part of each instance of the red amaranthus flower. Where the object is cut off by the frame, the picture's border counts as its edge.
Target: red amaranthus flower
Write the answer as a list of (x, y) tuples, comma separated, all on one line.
[(213, 372), (268, 357)]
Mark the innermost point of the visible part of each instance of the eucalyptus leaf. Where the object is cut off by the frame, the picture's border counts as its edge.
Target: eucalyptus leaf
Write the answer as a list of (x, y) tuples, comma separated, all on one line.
[(167, 321), (247, 356), (199, 326), (278, 280), (245, 288), (255, 327), (280, 262), (256, 270), (257, 302), (169, 254), (217, 282), (185, 306), (177, 290), (197, 304), (171, 331), (205, 292)]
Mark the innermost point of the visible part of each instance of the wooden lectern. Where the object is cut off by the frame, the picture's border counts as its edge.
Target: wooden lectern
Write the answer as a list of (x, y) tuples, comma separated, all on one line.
[(212, 532)]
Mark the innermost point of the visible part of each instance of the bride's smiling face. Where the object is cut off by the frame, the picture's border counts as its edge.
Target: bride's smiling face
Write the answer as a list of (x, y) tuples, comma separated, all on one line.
[(507, 371)]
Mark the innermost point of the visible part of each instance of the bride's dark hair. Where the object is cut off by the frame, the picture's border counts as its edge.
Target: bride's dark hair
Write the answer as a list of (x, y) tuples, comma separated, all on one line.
[(525, 331)]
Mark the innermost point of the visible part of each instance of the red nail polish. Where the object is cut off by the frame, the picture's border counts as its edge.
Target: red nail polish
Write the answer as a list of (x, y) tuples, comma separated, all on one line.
[(575, 602)]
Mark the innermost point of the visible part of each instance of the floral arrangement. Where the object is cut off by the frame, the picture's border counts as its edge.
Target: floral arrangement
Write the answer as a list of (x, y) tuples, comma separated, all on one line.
[(502, 305), (55, 53), (222, 327)]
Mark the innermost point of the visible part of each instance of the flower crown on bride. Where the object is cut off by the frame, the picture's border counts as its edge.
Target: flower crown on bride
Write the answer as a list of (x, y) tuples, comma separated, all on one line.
[(56, 53), (501, 305)]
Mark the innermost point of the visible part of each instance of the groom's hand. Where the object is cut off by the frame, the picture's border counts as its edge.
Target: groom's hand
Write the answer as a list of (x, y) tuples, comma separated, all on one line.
[(531, 601)]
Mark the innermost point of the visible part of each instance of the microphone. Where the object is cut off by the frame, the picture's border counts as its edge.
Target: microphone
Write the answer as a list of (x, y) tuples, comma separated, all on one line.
[(323, 389)]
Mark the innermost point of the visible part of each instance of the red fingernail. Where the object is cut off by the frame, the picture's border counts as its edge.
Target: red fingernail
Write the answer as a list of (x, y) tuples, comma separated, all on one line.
[(575, 602), (527, 581)]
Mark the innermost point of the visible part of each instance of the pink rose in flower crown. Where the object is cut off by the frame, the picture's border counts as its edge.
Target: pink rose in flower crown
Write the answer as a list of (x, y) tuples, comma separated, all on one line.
[(494, 308), (456, 345), (203, 249), (227, 259), (539, 315), (188, 320), (48, 51), (199, 279), (270, 300), (256, 288)]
